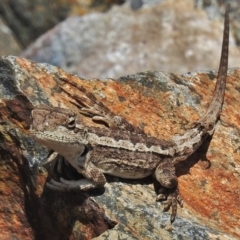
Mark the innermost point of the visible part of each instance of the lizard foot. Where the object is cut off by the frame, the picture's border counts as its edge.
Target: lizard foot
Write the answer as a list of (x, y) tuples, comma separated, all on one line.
[(172, 198), (66, 185)]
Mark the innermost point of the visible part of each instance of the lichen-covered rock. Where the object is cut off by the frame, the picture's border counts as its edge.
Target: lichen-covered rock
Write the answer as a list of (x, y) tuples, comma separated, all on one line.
[(163, 105)]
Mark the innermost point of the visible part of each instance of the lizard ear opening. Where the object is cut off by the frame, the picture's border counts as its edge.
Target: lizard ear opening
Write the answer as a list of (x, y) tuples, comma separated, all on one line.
[(85, 152), (71, 124)]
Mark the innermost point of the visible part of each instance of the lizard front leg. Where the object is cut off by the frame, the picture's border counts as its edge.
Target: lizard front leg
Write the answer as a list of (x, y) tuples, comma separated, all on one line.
[(93, 176), (168, 190)]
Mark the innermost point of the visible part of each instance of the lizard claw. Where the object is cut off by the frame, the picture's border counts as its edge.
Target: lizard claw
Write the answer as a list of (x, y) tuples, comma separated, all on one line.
[(172, 198), (66, 185), (57, 186)]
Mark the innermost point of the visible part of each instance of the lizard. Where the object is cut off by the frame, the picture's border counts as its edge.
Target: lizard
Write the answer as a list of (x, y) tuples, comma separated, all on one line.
[(120, 152)]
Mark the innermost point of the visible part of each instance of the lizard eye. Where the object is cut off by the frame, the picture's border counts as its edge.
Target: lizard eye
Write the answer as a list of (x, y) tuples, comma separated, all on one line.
[(71, 123)]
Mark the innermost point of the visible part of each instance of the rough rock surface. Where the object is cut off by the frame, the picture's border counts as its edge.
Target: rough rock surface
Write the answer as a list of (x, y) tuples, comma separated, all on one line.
[(29, 19), (172, 36), (163, 104), (8, 45)]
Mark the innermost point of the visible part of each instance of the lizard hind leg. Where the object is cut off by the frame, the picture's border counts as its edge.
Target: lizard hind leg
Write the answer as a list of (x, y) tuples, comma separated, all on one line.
[(166, 186)]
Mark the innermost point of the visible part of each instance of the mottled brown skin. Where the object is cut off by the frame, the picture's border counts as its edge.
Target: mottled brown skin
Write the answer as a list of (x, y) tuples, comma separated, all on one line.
[(123, 150)]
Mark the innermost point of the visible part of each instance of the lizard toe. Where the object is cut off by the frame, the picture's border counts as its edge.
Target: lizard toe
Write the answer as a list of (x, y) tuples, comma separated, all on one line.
[(82, 184), (57, 186), (172, 198)]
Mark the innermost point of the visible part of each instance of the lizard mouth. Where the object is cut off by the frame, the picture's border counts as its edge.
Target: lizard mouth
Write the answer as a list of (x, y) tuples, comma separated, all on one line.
[(45, 136)]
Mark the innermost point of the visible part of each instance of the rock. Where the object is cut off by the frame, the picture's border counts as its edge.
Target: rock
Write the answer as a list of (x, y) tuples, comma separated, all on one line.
[(172, 36), (163, 105), (30, 19), (136, 4), (8, 45)]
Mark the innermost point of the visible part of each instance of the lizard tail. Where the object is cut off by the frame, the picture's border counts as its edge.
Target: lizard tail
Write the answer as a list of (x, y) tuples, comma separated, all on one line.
[(192, 139), (215, 107)]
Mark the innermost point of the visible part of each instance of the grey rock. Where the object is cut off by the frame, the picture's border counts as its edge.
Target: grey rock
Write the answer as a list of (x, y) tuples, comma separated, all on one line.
[(170, 36), (8, 44)]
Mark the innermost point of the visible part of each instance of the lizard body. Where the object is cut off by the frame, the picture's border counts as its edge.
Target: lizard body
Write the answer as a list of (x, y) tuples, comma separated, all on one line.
[(124, 151)]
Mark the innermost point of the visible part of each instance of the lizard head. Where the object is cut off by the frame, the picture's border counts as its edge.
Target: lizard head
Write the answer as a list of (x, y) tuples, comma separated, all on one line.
[(58, 129), (46, 118)]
